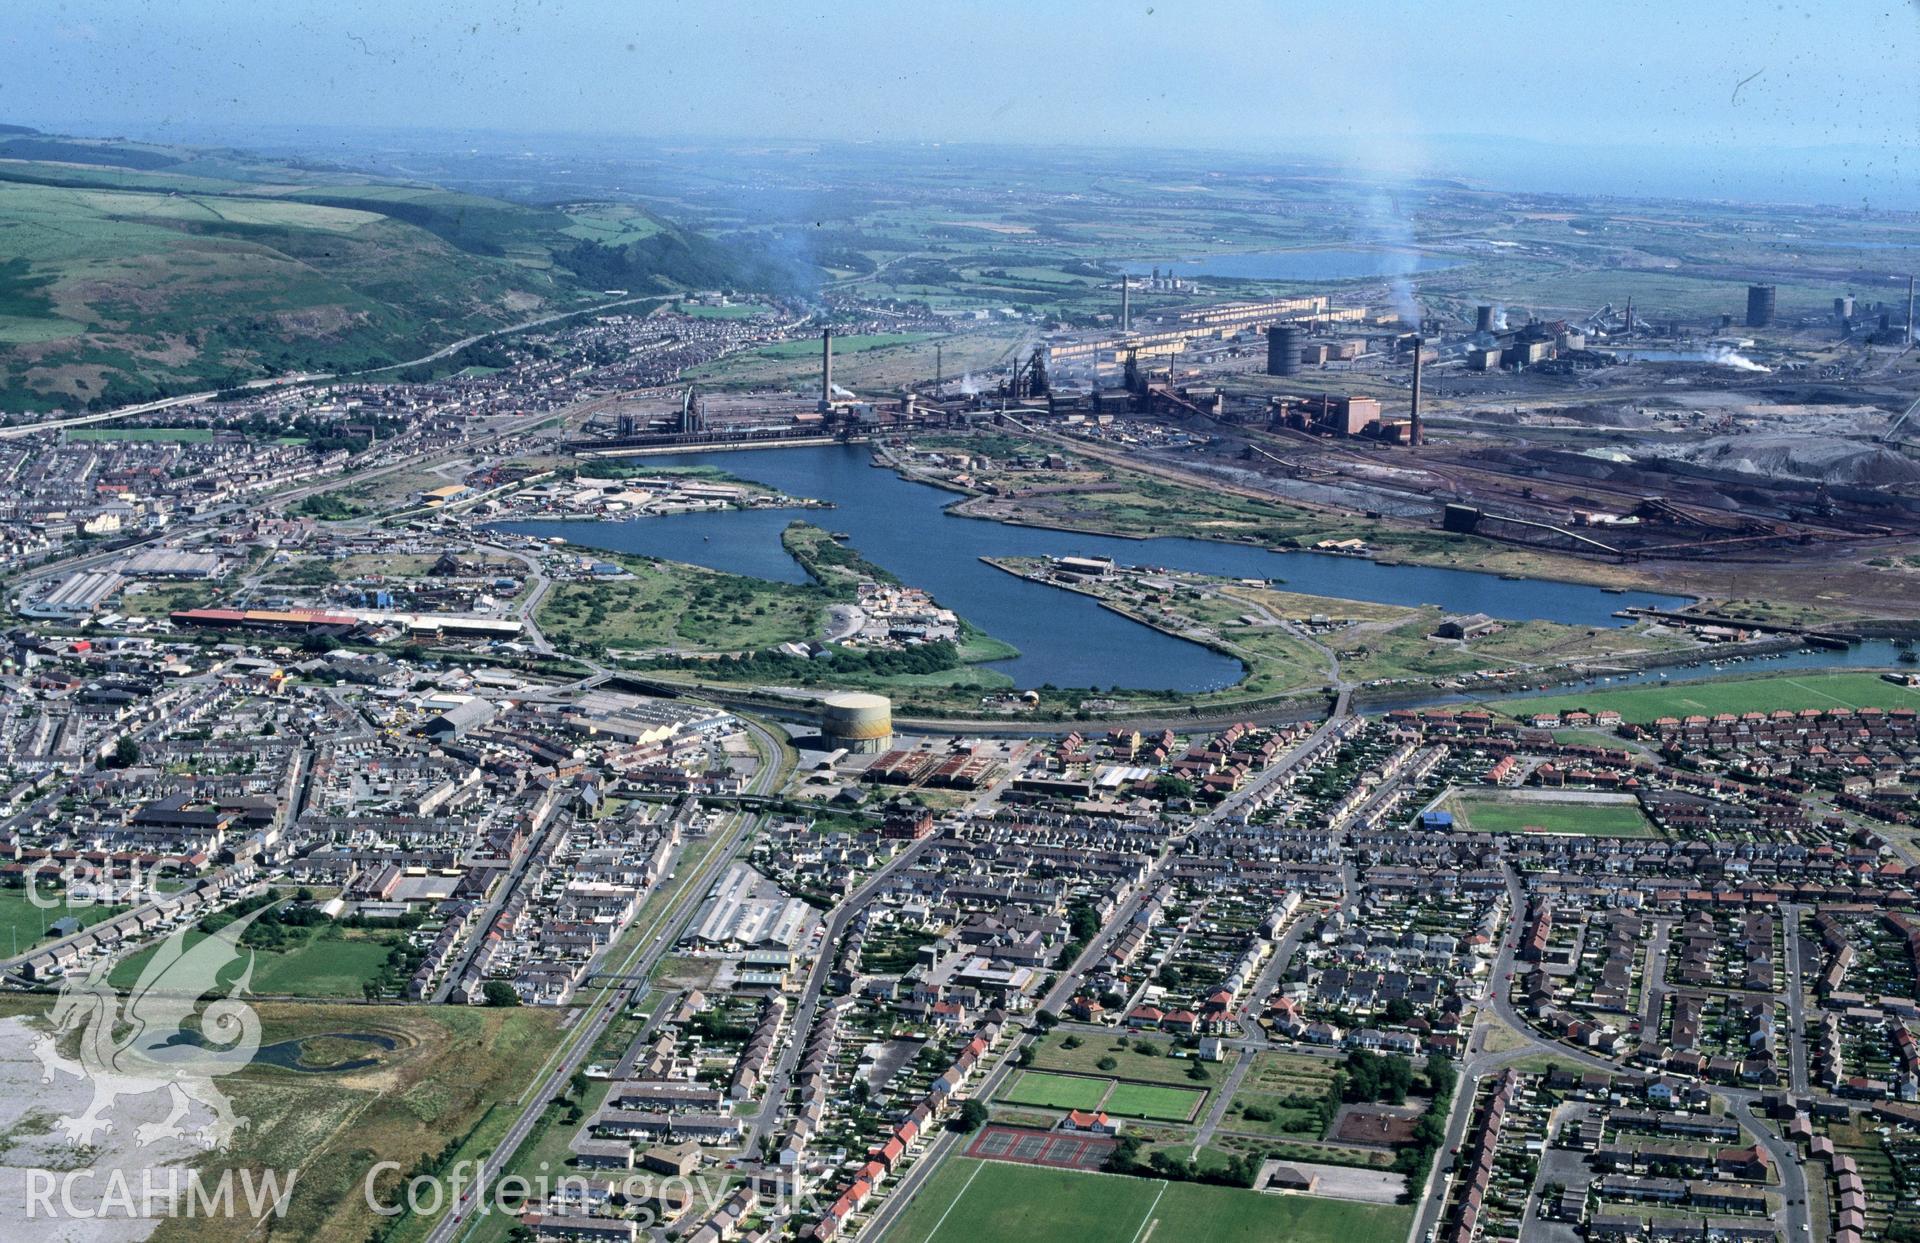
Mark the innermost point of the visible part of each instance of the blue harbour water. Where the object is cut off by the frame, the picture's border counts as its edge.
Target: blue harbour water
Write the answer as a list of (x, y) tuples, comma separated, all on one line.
[(1064, 639)]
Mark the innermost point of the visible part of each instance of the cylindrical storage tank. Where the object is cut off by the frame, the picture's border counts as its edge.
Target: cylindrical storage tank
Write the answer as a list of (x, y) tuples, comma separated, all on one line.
[(1759, 306), (1283, 350), (857, 721)]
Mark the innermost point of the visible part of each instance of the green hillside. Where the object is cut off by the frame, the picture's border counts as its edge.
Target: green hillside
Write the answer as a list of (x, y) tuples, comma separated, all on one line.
[(130, 271)]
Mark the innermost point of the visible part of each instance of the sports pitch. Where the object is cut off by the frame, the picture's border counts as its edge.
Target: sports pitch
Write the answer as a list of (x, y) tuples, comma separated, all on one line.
[(1141, 1100), (1127, 1100), (1705, 698), (970, 1201), (1492, 813), (1056, 1091)]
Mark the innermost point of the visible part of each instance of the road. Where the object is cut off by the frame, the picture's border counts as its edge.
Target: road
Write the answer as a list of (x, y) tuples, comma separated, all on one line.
[(1499, 1008), (502, 893), (577, 1046), (835, 927), (1065, 984), (1796, 1000), (945, 1142), (534, 587), (196, 526), (300, 379)]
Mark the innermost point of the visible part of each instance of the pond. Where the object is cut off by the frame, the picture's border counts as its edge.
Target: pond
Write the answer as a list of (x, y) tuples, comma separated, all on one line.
[(294, 1055)]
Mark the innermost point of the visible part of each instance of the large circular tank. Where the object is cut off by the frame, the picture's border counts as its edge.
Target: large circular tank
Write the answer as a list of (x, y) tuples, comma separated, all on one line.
[(857, 721), (1283, 350)]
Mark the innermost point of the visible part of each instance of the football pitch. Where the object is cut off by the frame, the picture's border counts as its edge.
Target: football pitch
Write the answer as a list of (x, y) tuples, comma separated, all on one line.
[(971, 1201), (1481, 813), (1706, 698)]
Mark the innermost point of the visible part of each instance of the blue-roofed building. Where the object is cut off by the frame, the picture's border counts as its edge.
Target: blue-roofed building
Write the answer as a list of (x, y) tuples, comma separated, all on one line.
[(1438, 821)]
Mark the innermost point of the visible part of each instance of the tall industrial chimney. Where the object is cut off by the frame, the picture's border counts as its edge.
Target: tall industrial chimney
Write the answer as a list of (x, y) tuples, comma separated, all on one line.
[(1909, 310), (936, 368), (1483, 319), (826, 368), (1415, 435), (1126, 303)]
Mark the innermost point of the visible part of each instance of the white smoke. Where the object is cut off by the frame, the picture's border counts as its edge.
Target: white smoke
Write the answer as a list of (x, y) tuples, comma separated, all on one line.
[(1499, 317), (1727, 356), (967, 385), (842, 392), (1385, 225), (1712, 356), (1386, 163)]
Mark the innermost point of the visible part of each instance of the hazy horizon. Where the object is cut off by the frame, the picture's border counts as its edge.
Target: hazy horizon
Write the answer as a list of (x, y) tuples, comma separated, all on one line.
[(1718, 101)]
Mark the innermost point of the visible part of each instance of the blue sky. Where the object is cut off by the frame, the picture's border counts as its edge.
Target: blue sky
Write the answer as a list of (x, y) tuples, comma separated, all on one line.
[(1763, 90)]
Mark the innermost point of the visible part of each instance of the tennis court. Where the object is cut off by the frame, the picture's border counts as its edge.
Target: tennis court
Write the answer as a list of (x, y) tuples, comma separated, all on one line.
[(1024, 1146)]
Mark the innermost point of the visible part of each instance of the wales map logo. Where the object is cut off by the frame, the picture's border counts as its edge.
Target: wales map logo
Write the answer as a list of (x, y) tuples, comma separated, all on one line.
[(158, 1037)]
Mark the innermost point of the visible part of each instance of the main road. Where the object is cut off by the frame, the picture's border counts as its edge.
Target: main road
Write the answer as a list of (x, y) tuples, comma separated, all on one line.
[(309, 377), (836, 926), (1498, 1007), (593, 1021), (1067, 981)]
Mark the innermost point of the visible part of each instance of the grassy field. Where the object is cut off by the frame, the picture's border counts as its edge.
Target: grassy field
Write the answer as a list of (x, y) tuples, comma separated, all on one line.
[(971, 1201), (1289, 1072), (1751, 694), (1139, 1100), (1281, 1084), (610, 224), (882, 369), (448, 1080), (1148, 506), (831, 563), (1055, 1091), (332, 963), (1407, 650), (1129, 503), (1278, 1118), (151, 599), (1129, 1063), (1276, 661), (1154, 1102), (668, 606), (24, 925), (225, 282), (1483, 813)]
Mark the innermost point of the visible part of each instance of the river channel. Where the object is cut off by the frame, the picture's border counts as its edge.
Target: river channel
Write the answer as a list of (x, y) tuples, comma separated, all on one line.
[(1064, 639)]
